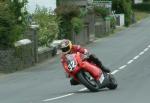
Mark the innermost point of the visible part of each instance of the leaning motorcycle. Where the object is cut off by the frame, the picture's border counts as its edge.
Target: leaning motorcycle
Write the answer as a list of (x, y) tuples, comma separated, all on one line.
[(88, 74)]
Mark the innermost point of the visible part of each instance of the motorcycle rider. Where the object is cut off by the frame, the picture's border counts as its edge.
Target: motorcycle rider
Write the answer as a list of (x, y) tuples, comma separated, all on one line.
[(67, 47)]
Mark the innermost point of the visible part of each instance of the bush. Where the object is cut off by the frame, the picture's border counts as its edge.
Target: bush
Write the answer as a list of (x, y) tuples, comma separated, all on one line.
[(70, 20), (48, 22), (68, 11), (77, 24), (123, 6), (19, 9), (112, 22), (146, 0), (101, 11), (142, 7), (9, 30)]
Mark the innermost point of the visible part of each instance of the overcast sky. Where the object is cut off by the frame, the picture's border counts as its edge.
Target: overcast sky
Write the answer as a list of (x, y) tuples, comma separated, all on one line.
[(46, 3)]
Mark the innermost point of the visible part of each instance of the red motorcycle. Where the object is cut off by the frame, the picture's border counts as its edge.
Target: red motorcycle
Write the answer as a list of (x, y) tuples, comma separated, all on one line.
[(88, 74)]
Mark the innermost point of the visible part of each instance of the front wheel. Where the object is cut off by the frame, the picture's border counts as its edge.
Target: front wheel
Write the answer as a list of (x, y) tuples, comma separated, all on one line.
[(113, 83), (88, 81)]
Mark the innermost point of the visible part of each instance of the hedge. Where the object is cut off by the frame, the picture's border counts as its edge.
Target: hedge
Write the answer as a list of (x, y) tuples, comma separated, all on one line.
[(146, 0), (123, 6), (142, 7), (71, 20), (10, 31)]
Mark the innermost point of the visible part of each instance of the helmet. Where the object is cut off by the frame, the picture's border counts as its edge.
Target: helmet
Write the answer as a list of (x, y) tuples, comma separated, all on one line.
[(66, 46)]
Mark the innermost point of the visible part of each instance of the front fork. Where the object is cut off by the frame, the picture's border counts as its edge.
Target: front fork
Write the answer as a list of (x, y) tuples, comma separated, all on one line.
[(104, 80)]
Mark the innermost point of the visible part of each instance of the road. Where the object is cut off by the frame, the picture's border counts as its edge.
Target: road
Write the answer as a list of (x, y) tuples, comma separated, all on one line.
[(127, 54)]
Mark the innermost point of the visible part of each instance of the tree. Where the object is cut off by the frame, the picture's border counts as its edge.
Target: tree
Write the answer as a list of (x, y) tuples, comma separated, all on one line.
[(57, 2), (48, 22), (146, 0), (71, 20), (18, 7), (11, 27)]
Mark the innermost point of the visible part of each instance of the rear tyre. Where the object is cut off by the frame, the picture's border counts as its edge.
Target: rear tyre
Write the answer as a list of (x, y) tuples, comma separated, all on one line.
[(88, 81), (113, 83)]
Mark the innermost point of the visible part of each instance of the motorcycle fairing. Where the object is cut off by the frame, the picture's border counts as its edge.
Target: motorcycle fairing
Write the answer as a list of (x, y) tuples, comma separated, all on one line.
[(80, 64)]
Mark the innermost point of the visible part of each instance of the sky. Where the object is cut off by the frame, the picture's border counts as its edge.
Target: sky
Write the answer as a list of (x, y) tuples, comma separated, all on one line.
[(46, 3)]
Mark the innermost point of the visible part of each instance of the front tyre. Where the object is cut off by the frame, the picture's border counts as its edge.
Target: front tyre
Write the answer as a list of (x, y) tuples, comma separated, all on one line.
[(113, 83), (88, 81)]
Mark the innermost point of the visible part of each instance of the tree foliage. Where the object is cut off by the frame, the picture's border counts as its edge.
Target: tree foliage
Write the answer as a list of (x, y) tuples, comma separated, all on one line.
[(145, 7), (77, 24), (146, 0), (101, 11), (48, 22), (10, 29), (70, 16), (123, 6), (18, 7)]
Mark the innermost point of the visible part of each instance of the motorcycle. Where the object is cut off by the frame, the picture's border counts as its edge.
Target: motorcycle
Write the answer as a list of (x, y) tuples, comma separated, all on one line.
[(88, 74)]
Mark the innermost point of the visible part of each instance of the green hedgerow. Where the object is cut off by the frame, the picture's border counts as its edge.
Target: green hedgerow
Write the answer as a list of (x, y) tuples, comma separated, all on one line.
[(70, 16), (123, 6), (48, 22), (9, 30)]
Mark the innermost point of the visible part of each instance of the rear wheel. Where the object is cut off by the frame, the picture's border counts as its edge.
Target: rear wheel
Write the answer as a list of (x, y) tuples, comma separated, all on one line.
[(113, 83), (88, 81)]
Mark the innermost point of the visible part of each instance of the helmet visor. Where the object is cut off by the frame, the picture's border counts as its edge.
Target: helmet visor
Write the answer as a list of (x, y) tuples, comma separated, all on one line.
[(66, 49)]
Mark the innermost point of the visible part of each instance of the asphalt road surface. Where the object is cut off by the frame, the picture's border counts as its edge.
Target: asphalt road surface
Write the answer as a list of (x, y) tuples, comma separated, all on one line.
[(127, 54)]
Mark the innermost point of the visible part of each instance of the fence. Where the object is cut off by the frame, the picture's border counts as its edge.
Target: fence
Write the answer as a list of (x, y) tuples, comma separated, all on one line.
[(102, 27)]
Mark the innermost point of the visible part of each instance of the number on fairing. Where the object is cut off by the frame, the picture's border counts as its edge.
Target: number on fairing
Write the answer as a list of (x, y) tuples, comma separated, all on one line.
[(72, 65)]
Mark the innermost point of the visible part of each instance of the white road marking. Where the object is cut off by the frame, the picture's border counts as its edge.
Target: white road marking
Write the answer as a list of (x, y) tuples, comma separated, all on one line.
[(51, 99), (83, 89), (141, 53), (146, 49), (115, 71), (136, 57), (130, 61), (122, 67)]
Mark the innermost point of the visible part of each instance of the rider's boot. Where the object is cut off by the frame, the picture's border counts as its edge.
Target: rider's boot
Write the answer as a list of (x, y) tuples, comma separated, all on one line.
[(105, 69), (74, 82), (99, 63)]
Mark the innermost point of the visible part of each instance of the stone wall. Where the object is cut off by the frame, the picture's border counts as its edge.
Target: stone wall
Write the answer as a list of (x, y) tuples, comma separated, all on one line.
[(16, 58), (7, 60), (45, 53), (22, 57)]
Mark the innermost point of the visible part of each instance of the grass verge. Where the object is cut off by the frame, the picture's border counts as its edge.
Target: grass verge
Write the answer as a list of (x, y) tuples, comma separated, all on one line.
[(139, 15)]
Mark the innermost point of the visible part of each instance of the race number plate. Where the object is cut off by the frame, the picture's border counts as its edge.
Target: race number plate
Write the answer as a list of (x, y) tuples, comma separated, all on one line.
[(71, 62)]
